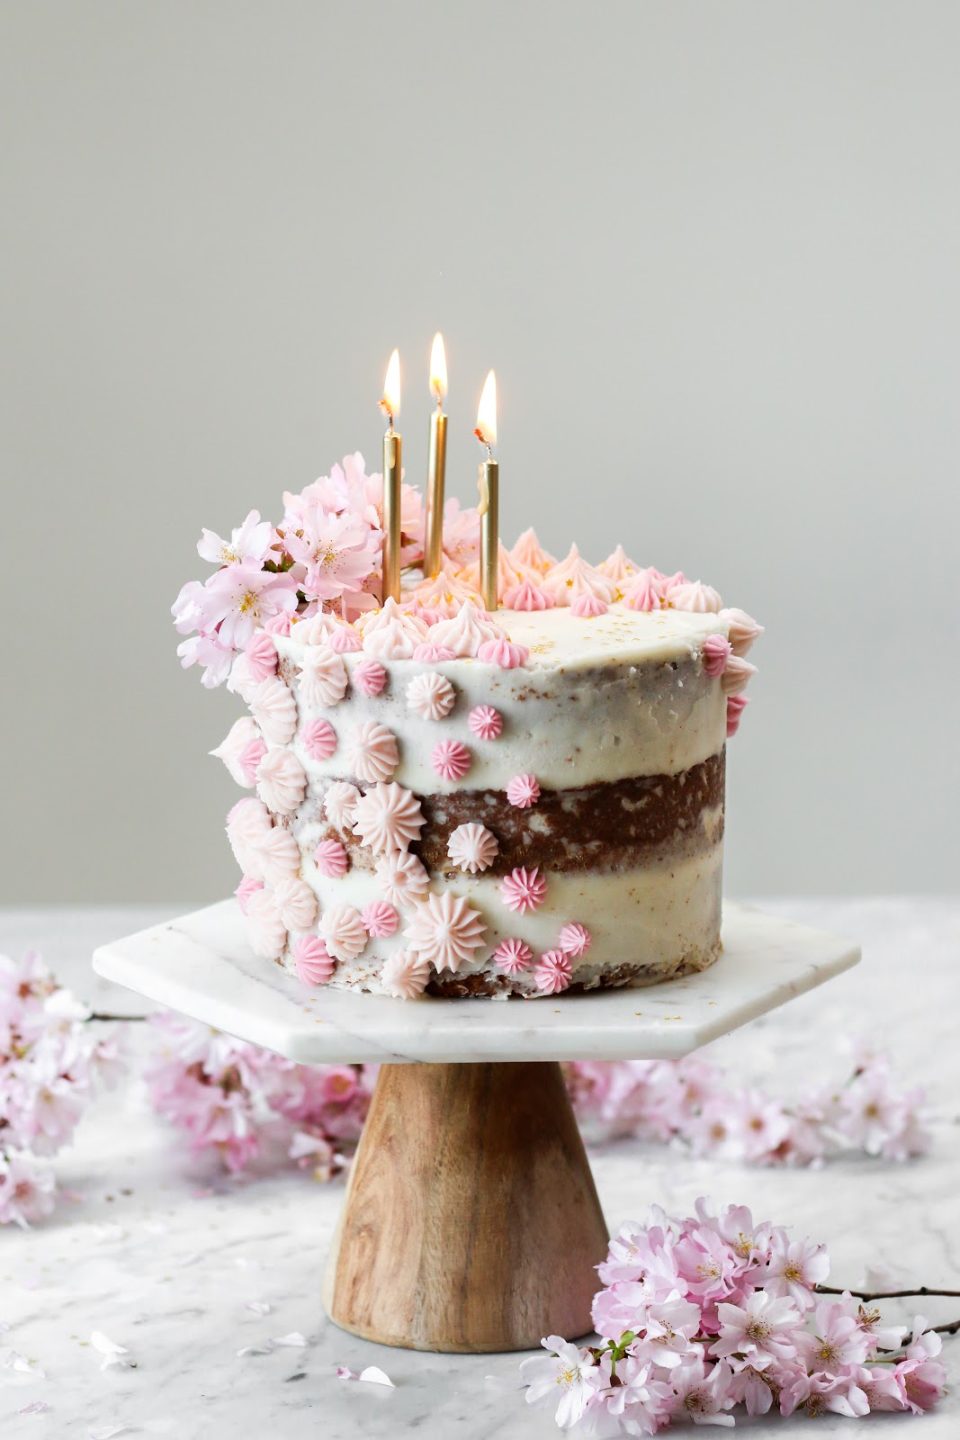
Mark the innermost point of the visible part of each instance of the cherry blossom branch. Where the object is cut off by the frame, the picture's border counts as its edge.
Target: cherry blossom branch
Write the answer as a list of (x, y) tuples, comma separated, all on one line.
[(883, 1294)]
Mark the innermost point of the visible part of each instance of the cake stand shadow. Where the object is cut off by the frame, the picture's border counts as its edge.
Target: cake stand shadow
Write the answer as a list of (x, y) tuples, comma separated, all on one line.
[(471, 1221)]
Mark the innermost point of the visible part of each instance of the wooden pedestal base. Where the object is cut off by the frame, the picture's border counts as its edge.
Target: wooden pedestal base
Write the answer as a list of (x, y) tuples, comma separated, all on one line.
[(471, 1221)]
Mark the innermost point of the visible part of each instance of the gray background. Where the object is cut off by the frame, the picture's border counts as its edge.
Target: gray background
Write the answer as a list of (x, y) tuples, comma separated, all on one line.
[(712, 251)]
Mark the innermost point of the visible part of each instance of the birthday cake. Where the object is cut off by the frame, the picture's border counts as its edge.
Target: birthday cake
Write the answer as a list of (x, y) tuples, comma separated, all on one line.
[(451, 800)]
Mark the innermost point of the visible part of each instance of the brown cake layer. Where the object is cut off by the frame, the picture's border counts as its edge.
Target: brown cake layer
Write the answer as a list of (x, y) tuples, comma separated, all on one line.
[(608, 825)]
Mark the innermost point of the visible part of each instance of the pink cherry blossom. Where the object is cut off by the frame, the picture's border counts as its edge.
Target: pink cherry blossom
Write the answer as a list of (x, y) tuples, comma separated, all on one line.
[(248, 545)]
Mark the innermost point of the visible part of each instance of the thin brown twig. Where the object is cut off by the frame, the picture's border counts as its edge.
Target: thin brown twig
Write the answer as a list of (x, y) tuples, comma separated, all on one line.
[(118, 1019), (883, 1294)]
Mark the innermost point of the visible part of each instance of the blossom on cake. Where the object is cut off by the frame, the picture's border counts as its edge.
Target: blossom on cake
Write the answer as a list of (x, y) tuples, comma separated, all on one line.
[(574, 939), (528, 553), (716, 652), (261, 656), (737, 675), (445, 931), (552, 972), (369, 677), (234, 750), (431, 696), (344, 932), (275, 710), (240, 599), (523, 791), (461, 533), (296, 903), (380, 919), (451, 759), (402, 877), (512, 956), (388, 817), (265, 930), (693, 595), (472, 848), (281, 782), (503, 653), (405, 975), (470, 628), (485, 722), (333, 553), (323, 678), (249, 544), (374, 753), (743, 630), (279, 854), (331, 860), (319, 739), (391, 634), (313, 961), (523, 889), (340, 804)]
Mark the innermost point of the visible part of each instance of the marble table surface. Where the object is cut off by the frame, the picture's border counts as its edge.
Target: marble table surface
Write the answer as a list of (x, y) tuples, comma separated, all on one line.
[(165, 1255)]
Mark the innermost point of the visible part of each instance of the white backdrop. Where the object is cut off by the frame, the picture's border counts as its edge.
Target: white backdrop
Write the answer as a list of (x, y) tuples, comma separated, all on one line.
[(712, 251)]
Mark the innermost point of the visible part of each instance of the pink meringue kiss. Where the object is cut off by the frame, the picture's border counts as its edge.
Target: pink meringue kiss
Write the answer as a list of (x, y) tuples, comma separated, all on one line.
[(716, 653), (503, 653), (247, 887), (588, 606), (735, 708), (485, 722), (319, 739), (313, 961), (250, 757), (512, 957), (574, 939), (523, 791), (743, 629), (369, 677), (428, 654), (527, 596), (345, 641), (523, 890), (451, 759), (331, 859), (553, 972), (379, 919), (737, 675), (261, 656), (278, 624)]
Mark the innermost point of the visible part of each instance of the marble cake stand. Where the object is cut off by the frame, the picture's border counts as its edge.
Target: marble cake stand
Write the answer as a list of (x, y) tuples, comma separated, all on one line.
[(471, 1221)]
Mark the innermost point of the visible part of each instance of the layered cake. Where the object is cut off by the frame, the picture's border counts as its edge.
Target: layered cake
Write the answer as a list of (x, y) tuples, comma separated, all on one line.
[(451, 801)]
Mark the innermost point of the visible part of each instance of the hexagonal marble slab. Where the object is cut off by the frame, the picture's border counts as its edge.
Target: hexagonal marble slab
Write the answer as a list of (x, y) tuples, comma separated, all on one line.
[(202, 966)]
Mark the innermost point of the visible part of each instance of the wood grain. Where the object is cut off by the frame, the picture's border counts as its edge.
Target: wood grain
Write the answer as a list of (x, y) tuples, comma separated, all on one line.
[(471, 1221)]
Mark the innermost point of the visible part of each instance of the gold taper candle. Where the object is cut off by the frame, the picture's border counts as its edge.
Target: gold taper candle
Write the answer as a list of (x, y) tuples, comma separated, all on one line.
[(489, 479), (437, 464), (392, 471)]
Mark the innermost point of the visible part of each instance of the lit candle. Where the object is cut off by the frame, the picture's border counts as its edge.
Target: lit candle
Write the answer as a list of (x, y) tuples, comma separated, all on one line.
[(437, 466), (392, 465), (486, 433)]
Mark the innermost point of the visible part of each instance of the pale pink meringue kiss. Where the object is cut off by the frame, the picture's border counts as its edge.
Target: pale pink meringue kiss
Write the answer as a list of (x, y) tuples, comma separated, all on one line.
[(261, 656), (319, 739), (743, 629), (716, 652), (618, 567), (250, 757), (390, 634), (281, 782), (431, 696), (344, 640), (247, 887), (572, 576), (265, 930), (313, 961), (552, 972), (248, 823), (233, 748), (470, 628), (450, 759), (735, 708), (587, 606), (737, 675), (331, 859), (369, 677), (374, 753), (323, 678), (527, 596), (694, 596), (379, 919), (275, 710), (388, 817), (523, 890), (485, 722), (279, 855), (445, 931), (402, 878), (344, 932), (523, 791), (644, 591), (340, 804), (405, 975), (530, 554), (503, 653), (295, 902), (512, 956), (574, 939), (428, 654), (472, 848), (278, 624)]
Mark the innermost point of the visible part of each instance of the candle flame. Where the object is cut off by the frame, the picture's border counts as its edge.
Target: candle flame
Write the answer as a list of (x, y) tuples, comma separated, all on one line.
[(486, 431), (390, 404), (438, 369)]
